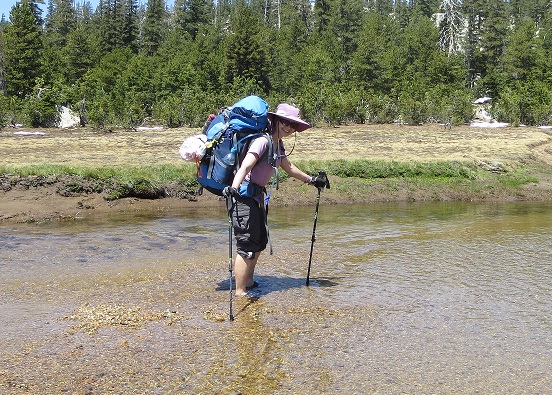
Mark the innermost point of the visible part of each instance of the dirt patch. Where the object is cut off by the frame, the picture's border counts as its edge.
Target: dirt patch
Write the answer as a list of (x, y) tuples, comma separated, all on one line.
[(28, 201)]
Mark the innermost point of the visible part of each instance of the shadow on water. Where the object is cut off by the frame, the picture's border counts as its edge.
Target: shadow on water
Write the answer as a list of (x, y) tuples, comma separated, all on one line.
[(270, 284)]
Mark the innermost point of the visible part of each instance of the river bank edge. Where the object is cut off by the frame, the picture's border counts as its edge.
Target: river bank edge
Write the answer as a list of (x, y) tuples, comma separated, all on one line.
[(25, 203)]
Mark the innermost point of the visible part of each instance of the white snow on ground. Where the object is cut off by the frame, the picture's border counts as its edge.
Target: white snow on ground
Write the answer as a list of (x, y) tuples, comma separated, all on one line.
[(25, 133), (484, 124)]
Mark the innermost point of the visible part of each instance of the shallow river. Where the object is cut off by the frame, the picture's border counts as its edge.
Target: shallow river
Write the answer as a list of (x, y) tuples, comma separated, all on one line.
[(403, 299)]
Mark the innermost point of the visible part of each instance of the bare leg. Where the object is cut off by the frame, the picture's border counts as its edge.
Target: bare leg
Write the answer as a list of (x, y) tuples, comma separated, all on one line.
[(243, 270)]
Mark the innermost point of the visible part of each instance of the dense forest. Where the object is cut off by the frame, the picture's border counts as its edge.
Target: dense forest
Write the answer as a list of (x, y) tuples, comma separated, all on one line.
[(378, 61)]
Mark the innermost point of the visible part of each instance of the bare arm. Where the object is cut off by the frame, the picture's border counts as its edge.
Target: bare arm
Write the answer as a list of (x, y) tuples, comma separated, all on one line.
[(246, 166), (293, 170)]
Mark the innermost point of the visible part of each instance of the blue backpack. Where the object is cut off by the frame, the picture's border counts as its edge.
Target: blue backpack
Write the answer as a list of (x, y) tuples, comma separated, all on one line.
[(228, 137)]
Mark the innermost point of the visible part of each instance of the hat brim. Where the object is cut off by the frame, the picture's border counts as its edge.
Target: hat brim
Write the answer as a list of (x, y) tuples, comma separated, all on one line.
[(301, 125)]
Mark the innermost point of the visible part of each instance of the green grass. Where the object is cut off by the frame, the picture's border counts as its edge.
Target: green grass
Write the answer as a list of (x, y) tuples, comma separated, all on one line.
[(355, 177), (116, 182), (156, 174), (392, 169)]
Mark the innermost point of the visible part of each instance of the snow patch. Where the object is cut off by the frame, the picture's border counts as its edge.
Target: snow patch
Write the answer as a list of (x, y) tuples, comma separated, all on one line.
[(484, 124), (25, 133)]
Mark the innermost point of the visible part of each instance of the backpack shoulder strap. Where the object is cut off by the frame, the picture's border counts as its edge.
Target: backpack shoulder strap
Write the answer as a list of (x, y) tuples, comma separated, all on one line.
[(242, 145)]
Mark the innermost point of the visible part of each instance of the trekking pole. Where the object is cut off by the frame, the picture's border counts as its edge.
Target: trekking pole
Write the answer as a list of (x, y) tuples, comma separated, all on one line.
[(229, 205), (319, 187), (313, 234)]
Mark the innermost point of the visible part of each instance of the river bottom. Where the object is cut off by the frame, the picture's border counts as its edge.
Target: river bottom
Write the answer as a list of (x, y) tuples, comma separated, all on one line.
[(415, 299)]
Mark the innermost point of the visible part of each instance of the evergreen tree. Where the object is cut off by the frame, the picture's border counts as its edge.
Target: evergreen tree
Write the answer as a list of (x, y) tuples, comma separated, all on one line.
[(84, 13), (493, 38), (546, 29), (223, 9), (376, 64), (154, 27), (522, 53), (403, 12), (288, 43), (383, 7), (525, 97), (131, 25), (473, 14), (60, 21), (110, 22), (192, 15), (35, 9), (425, 8), (245, 50), (22, 52), (2, 75), (77, 55), (534, 9), (322, 15), (425, 84), (344, 25), (339, 60)]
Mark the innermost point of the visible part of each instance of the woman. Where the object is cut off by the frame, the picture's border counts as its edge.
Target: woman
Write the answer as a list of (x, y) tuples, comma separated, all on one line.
[(249, 214)]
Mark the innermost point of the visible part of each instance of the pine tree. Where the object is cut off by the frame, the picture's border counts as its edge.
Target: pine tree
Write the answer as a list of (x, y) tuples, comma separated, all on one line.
[(131, 25), (374, 65), (425, 7), (524, 94), (521, 55), (37, 12), (245, 51), (60, 21), (192, 15), (291, 38), (154, 27), (546, 28), (493, 40), (2, 75), (23, 46), (322, 15), (344, 24), (77, 54), (534, 9), (110, 22), (474, 16), (223, 9), (383, 7)]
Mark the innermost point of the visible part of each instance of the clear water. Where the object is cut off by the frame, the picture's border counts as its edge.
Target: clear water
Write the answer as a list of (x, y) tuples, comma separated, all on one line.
[(418, 299)]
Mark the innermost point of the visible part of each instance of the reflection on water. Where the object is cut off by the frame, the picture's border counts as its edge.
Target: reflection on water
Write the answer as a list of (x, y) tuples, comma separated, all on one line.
[(432, 298)]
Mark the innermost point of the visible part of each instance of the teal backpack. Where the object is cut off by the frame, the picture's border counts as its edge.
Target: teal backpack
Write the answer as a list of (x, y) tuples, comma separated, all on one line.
[(229, 135)]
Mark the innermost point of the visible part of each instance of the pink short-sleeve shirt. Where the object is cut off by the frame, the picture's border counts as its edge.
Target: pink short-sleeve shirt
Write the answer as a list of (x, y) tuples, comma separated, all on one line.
[(262, 171)]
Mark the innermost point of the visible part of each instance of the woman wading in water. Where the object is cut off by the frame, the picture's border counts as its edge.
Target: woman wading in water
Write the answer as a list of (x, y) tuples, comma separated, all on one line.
[(249, 219)]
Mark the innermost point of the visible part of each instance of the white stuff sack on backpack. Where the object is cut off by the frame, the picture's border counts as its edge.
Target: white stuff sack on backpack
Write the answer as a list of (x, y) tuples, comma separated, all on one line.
[(193, 148)]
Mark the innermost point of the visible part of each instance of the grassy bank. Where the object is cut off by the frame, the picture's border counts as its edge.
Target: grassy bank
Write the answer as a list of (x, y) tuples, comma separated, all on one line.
[(356, 180)]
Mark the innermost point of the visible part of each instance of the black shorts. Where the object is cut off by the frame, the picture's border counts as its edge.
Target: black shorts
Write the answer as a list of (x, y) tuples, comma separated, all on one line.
[(249, 223)]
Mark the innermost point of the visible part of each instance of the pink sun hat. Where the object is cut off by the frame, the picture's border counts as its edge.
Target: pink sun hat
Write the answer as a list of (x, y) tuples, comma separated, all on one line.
[(290, 113)]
